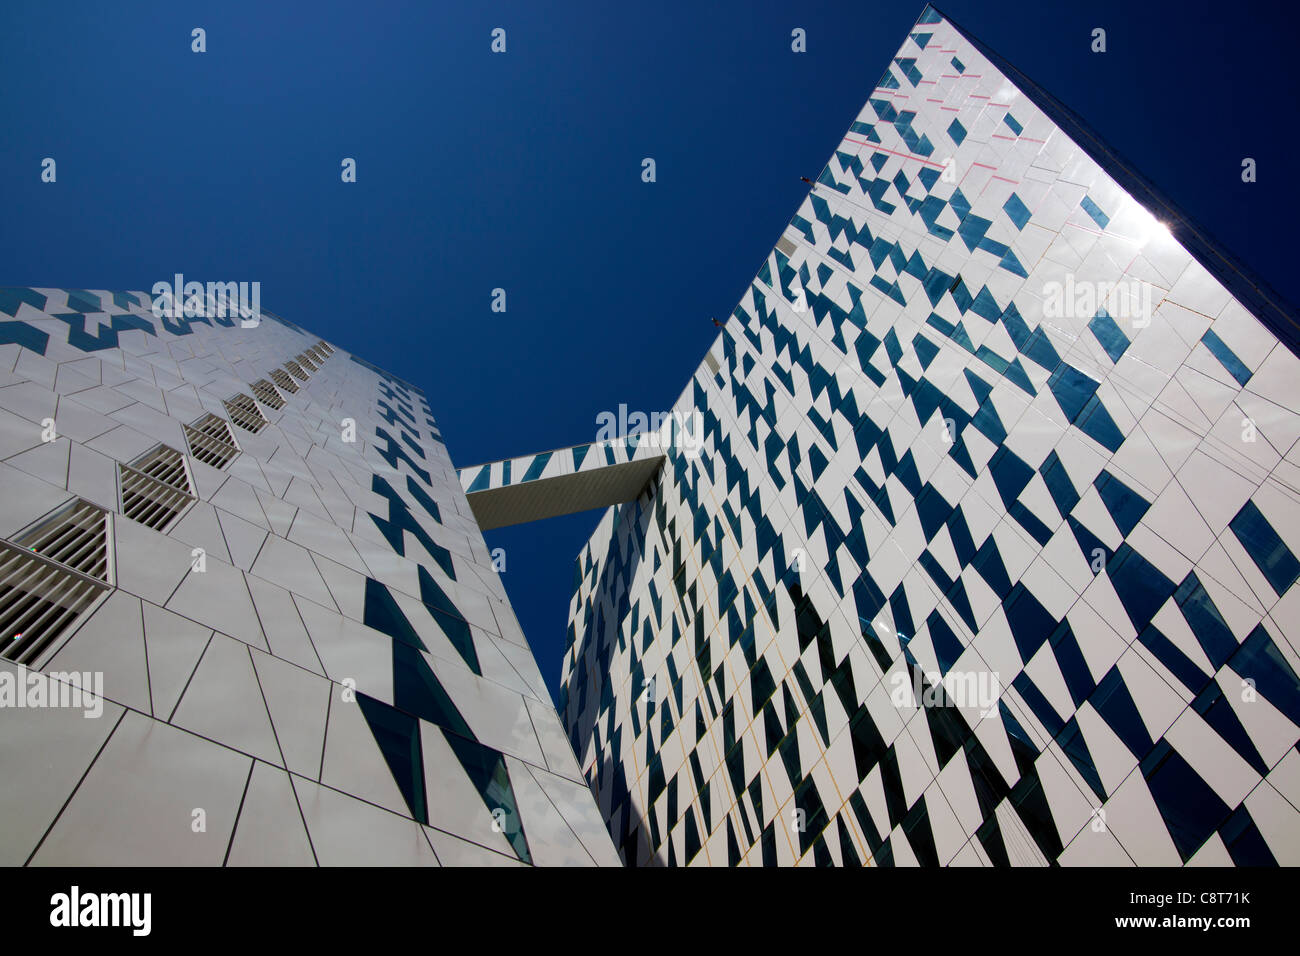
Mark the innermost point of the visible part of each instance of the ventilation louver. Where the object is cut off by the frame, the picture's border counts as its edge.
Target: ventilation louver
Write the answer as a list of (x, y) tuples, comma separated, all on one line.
[(211, 441), (50, 575), (282, 379), (245, 413), (156, 488), (306, 360), (266, 393), (296, 370)]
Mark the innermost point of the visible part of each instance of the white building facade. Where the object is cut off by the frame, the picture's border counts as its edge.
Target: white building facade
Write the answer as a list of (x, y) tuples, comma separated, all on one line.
[(989, 554), (248, 618)]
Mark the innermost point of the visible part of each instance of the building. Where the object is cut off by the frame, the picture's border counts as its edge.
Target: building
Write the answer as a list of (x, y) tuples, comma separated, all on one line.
[(247, 617), (988, 551)]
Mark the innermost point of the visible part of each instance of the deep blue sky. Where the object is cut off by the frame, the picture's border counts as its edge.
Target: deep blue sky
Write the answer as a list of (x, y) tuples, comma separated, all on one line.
[(522, 171)]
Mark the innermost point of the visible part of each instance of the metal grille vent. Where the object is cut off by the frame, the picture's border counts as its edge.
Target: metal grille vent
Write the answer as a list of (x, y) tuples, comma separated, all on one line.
[(50, 575), (245, 413), (156, 488), (267, 395), (306, 360), (211, 441), (317, 355), (296, 370), (281, 378), (325, 347)]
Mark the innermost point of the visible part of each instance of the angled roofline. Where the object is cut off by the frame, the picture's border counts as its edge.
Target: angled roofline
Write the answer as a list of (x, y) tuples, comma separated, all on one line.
[(1272, 309)]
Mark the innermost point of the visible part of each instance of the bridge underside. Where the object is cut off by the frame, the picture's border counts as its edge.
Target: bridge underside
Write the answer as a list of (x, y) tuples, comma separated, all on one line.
[(550, 497)]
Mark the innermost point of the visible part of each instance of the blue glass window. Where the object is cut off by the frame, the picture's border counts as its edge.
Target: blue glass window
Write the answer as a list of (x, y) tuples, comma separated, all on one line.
[(1058, 483), (398, 737), (1212, 632), (1017, 210), (1113, 701), (1235, 366), (1246, 845), (1265, 547), (1031, 623), (1096, 423), (1139, 584), (1125, 505), (1191, 809), (1259, 660), (1091, 208), (1109, 334), (537, 465), (1072, 390)]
